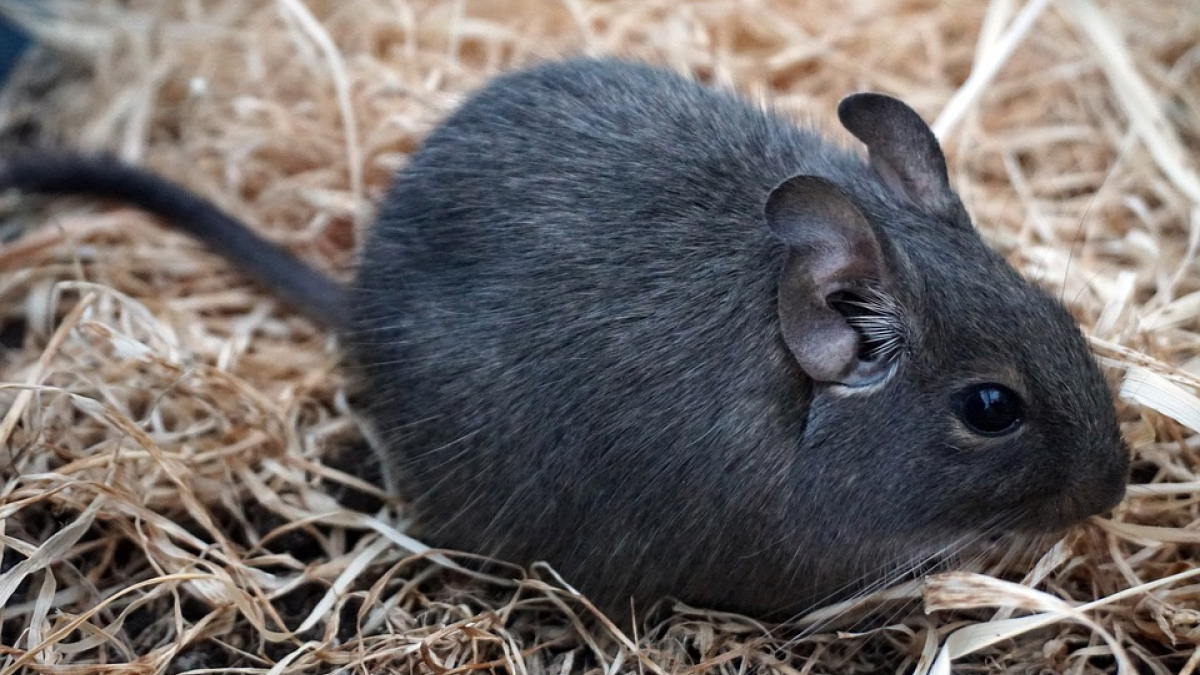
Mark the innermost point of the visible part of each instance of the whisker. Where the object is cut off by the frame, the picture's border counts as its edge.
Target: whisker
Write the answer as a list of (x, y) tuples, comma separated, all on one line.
[(1076, 241), (947, 556), (897, 570)]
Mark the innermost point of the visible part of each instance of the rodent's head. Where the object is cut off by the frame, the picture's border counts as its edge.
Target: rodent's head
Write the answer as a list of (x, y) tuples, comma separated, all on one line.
[(954, 393)]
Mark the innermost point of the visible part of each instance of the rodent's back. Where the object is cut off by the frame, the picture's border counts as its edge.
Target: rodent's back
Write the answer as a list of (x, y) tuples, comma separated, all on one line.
[(567, 311)]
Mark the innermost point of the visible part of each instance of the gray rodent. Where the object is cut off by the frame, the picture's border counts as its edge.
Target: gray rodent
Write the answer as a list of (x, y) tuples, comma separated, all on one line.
[(674, 345)]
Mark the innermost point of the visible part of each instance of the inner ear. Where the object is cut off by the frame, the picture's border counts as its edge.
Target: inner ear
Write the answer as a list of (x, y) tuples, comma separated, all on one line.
[(903, 149), (833, 251)]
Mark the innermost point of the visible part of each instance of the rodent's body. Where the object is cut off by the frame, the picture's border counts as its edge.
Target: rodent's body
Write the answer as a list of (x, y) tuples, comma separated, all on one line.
[(568, 319), (567, 313), (583, 365)]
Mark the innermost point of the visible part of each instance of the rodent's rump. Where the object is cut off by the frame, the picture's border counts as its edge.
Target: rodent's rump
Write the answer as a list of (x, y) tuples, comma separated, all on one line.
[(675, 345)]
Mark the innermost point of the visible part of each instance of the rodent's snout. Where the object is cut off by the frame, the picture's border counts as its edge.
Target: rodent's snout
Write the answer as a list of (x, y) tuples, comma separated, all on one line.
[(1106, 498), (1096, 490), (1115, 481), (1102, 491)]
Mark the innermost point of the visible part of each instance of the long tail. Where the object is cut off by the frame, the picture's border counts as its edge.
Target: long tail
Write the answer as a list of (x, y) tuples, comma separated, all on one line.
[(68, 173)]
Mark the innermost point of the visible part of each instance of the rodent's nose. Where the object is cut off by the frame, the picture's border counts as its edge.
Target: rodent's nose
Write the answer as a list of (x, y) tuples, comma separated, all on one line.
[(1080, 503), (1108, 491), (1112, 496), (1119, 479)]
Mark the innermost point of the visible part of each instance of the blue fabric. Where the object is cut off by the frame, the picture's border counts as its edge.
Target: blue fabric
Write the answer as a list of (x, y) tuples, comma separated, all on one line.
[(13, 43)]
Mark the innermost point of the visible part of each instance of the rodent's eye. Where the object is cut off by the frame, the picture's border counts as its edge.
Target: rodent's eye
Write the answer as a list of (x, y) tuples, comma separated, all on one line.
[(991, 409)]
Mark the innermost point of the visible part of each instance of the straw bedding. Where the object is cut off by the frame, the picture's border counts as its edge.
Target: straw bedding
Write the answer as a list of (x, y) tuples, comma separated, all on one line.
[(181, 469)]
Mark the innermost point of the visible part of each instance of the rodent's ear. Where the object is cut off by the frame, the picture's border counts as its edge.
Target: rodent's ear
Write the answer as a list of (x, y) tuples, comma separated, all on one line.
[(902, 148), (832, 249)]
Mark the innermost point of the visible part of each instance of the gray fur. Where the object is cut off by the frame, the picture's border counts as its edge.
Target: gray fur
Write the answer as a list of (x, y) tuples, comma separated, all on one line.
[(567, 317)]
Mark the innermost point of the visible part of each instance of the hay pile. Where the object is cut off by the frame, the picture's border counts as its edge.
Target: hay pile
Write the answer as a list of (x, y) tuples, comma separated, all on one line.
[(178, 456)]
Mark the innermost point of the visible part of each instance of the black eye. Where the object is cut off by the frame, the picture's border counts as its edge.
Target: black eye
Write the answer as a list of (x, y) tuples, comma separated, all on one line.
[(991, 409)]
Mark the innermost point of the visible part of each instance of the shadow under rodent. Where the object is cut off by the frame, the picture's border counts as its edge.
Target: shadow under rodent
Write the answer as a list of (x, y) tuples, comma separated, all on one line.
[(675, 345)]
